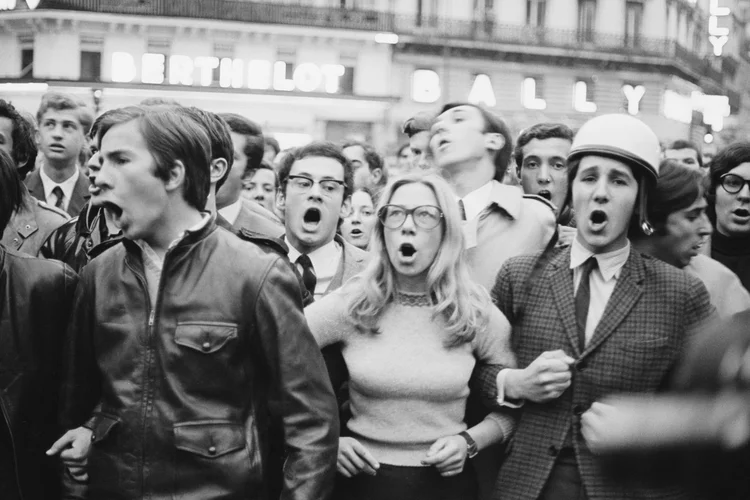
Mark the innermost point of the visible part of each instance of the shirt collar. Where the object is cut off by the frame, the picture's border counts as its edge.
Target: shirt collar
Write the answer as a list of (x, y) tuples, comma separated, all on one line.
[(67, 185), (610, 264), (231, 212), (509, 198), (476, 201), (319, 256)]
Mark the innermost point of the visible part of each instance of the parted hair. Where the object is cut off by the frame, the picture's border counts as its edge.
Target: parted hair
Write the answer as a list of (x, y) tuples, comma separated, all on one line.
[(456, 298), (678, 187), (170, 136), (63, 102), (218, 133), (11, 189)]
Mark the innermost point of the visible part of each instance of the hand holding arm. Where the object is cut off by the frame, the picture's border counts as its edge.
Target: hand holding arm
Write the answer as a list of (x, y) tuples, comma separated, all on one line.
[(545, 379)]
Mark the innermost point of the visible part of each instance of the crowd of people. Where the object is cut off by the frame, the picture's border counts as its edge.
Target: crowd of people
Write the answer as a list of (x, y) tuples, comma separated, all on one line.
[(191, 312)]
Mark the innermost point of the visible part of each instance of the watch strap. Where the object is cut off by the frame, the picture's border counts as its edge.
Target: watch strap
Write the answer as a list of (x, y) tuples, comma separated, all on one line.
[(471, 445)]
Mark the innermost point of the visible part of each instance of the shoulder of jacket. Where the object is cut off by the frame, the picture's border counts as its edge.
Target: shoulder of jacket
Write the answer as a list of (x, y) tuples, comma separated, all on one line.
[(43, 206), (264, 241), (539, 199)]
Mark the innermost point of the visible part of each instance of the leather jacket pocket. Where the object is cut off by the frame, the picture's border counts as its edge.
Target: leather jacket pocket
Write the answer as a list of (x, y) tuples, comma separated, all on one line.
[(205, 337), (210, 439), (101, 424)]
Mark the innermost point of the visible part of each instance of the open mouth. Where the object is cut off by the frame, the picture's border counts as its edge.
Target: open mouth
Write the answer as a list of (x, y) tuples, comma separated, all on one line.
[(311, 216), (407, 250), (598, 220), (741, 212), (545, 194), (443, 142), (356, 232)]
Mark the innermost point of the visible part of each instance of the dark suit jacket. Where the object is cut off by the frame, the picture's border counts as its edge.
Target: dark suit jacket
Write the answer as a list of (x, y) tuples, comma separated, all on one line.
[(653, 310), (78, 199), (257, 219)]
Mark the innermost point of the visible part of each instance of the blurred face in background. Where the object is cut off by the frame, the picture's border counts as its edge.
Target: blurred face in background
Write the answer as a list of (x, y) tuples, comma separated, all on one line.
[(733, 202), (544, 170), (260, 186), (357, 227)]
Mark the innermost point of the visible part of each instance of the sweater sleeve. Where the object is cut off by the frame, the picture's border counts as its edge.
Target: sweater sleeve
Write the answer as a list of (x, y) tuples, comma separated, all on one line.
[(491, 345), (328, 319)]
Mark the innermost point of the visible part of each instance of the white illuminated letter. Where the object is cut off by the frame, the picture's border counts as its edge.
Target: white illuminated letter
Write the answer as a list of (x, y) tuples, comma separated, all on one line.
[(206, 66), (181, 70), (530, 100), (33, 4), (482, 92), (634, 96), (718, 42), (715, 109), (307, 77), (152, 68), (280, 81), (7, 4), (259, 75), (677, 107), (123, 67), (715, 10), (425, 86), (332, 73), (230, 73), (713, 27), (579, 99)]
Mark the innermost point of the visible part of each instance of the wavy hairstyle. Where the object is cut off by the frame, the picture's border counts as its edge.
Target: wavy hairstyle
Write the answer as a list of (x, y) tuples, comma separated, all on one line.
[(455, 297)]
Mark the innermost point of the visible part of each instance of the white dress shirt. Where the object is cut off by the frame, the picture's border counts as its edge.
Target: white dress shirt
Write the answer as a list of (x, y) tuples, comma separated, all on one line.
[(67, 187), (325, 261), (231, 212), (602, 281)]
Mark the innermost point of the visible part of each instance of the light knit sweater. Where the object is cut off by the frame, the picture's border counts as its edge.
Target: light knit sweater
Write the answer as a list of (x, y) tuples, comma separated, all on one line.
[(406, 388)]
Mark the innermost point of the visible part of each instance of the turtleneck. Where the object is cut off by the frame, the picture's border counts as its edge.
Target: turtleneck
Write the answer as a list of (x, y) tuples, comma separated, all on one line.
[(733, 252)]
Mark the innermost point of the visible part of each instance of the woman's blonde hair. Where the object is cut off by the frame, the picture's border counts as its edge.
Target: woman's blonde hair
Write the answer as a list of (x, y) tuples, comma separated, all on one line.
[(462, 303)]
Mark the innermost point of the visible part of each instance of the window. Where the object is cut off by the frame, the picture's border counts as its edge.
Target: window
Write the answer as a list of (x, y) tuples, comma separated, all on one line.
[(633, 23), (586, 20), (91, 66), (427, 11), (535, 12), (346, 82), (27, 63)]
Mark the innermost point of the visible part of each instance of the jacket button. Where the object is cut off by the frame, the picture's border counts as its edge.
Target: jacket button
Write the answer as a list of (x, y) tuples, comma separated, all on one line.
[(93, 437), (15, 240), (212, 450), (553, 451), (206, 346), (578, 410), (28, 226)]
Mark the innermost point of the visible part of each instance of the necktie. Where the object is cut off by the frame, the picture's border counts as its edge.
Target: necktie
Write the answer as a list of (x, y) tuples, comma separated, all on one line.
[(462, 209), (308, 273), (58, 192), (583, 298)]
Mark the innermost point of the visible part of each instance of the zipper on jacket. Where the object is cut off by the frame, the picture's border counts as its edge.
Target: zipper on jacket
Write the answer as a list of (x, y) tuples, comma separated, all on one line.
[(13, 447)]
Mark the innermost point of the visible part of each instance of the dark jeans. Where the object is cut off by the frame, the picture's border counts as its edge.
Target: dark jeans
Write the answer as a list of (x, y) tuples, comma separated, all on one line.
[(564, 482), (394, 482)]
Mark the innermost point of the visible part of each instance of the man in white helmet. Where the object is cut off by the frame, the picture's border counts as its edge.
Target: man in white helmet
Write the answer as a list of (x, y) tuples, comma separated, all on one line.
[(590, 320)]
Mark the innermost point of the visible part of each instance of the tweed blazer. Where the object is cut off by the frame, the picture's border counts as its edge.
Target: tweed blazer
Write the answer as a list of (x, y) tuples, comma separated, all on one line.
[(652, 312), (78, 199)]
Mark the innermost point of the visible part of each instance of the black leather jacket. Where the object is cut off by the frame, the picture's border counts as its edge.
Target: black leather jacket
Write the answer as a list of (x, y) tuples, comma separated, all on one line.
[(180, 397), (36, 297)]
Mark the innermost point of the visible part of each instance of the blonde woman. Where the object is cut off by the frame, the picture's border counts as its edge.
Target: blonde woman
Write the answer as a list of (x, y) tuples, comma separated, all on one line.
[(412, 327)]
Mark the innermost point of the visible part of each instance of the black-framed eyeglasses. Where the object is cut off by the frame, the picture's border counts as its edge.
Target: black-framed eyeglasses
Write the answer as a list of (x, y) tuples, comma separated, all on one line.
[(424, 216), (303, 184), (733, 183)]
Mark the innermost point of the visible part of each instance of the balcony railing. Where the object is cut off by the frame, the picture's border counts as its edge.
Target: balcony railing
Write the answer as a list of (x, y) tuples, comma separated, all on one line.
[(425, 29)]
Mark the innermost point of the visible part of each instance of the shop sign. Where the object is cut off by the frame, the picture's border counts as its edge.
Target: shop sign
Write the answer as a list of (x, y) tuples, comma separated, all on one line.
[(716, 35), (235, 73), (12, 4)]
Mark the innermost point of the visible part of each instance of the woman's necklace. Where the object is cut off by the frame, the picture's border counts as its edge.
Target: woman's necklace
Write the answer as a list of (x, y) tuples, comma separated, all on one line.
[(413, 299)]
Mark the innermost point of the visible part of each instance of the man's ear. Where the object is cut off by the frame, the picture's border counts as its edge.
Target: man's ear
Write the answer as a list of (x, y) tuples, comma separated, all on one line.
[(280, 199), (376, 175), (494, 141), (218, 169), (346, 208), (176, 177)]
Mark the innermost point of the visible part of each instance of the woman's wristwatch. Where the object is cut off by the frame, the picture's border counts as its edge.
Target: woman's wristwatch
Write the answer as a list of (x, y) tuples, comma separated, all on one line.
[(471, 445)]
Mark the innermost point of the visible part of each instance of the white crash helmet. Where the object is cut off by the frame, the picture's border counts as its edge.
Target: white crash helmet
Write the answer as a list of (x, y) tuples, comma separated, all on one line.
[(624, 138)]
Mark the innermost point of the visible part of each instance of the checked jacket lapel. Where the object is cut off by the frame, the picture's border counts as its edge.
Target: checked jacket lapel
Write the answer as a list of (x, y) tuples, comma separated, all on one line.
[(561, 283)]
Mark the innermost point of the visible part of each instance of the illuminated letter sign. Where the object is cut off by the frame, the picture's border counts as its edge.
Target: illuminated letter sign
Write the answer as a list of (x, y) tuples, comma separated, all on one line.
[(11, 4), (234, 73), (678, 107), (717, 36), (425, 86), (579, 99), (634, 96), (714, 108), (481, 92), (530, 100)]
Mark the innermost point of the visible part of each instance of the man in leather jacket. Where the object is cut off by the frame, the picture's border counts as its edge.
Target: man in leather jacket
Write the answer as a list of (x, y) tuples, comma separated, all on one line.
[(35, 299), (186, 341)]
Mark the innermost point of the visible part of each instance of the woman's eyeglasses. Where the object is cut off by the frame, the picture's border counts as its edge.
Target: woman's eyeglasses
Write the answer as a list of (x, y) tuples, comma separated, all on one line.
[(424, 216), (733, 183)]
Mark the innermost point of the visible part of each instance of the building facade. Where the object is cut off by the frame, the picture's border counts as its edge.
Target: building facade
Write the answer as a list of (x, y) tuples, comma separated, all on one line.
[(335, 69)]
